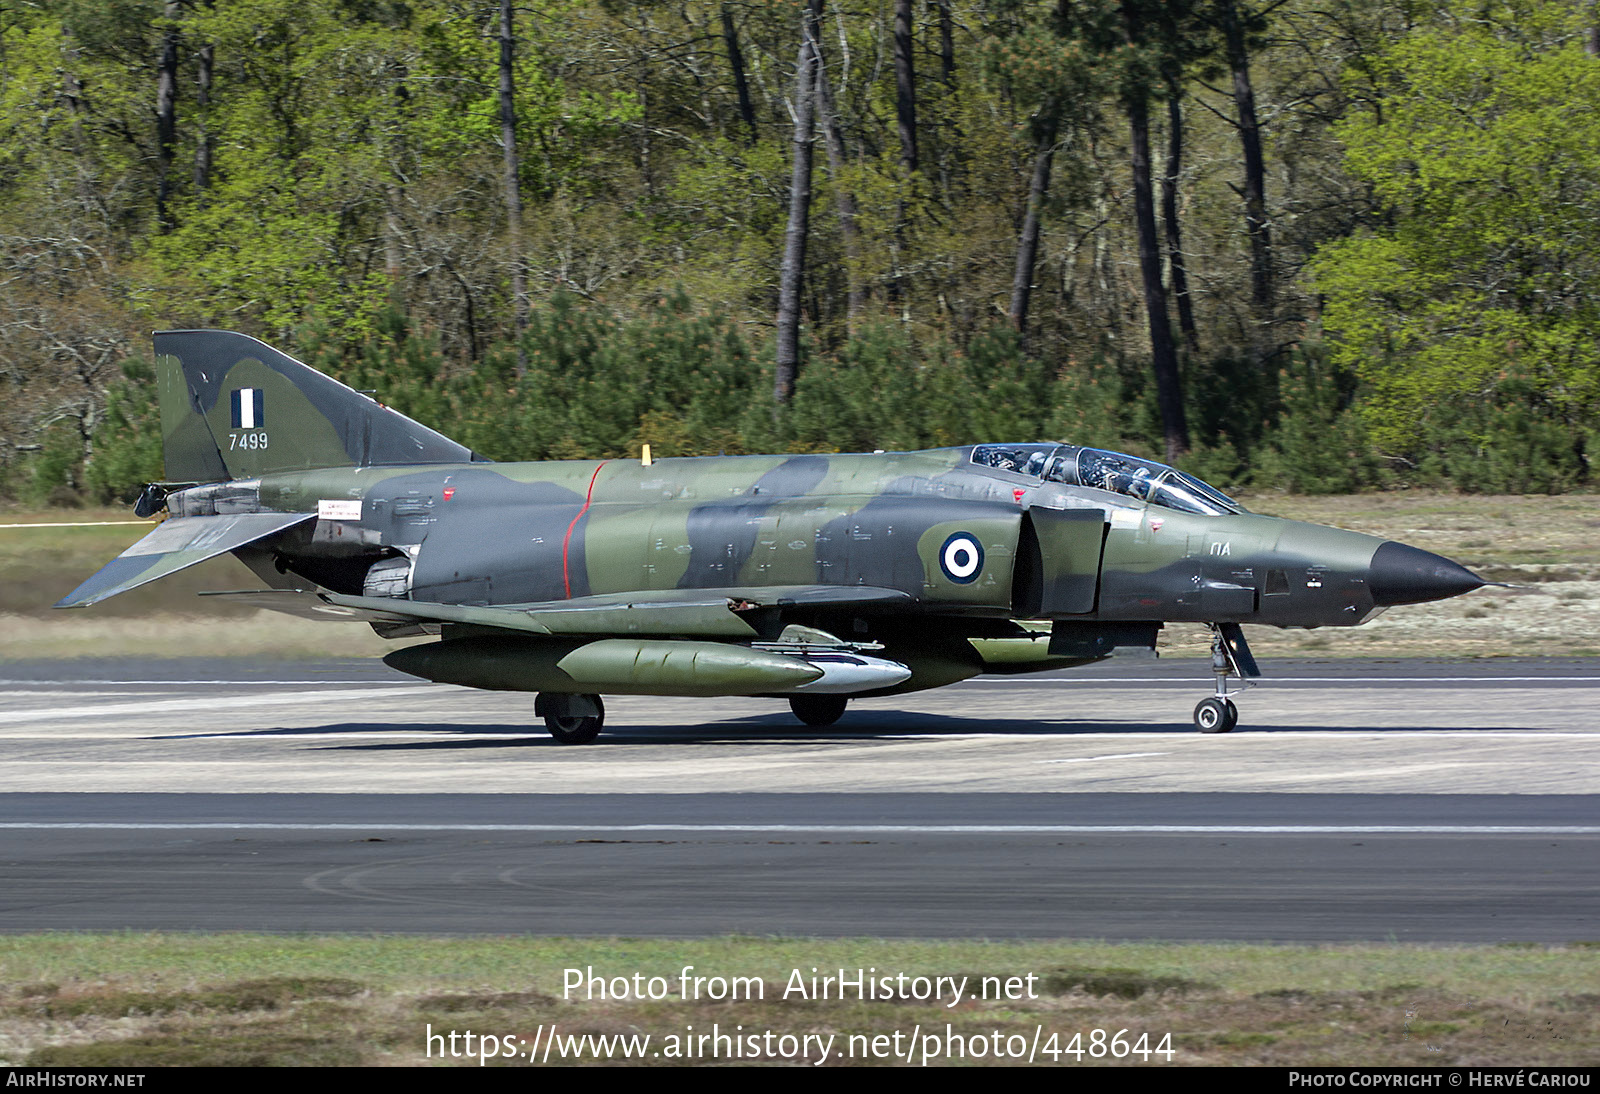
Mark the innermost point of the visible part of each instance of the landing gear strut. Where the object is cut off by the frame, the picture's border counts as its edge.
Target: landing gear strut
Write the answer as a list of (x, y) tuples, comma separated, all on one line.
[(1230, 656), (571, 719)]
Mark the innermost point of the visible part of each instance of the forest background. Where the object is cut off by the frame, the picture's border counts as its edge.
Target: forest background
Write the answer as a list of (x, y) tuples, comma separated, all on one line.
[(1316, 245)]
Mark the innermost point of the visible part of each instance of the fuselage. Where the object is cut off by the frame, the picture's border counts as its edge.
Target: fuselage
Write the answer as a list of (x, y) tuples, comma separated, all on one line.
[(961, 538), (817, 578)]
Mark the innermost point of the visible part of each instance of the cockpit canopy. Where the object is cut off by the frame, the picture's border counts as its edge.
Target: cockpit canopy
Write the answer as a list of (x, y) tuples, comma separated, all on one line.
[(1142, 480)]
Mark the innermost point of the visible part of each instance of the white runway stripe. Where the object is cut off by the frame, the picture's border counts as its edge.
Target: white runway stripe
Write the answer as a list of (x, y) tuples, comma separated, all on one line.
[(215, 704), (852, 829), (1113, 756)]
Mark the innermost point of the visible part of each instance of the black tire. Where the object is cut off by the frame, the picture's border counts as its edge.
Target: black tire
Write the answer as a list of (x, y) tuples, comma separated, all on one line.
[(818, 710), (576, 729), (1215, 715)]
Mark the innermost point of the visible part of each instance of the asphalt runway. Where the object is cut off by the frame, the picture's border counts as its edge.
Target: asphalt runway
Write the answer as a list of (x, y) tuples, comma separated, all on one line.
[(1414, 801)]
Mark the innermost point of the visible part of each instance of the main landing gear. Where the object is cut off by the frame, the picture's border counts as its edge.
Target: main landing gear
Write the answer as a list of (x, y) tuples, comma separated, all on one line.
[(571, 719), (818, 710), (1230, 656)]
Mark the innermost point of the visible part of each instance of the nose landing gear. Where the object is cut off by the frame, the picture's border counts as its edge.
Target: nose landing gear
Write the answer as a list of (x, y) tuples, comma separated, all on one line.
[(1215, 715), (1230, 656)]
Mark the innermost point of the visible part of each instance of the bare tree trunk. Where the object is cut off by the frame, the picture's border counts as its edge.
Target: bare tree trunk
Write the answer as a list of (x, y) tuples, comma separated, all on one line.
[(394, 194), (905, 89), (1028, 244), (393, 262), (508, 143), (792, 271), (947, 45), (1255, 200), (730, 38), (204, 144), (1164, 356), (167, 113), (1169, 216), (843, 198)]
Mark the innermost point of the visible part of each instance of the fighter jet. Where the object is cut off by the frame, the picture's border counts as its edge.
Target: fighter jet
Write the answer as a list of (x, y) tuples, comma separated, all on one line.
[(810, 578)]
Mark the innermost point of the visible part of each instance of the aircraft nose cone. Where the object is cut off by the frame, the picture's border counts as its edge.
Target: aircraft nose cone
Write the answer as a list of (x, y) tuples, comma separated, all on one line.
[(1409, 575)]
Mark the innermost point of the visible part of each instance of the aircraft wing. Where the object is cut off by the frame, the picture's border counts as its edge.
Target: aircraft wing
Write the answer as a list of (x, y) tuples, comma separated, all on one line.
[(176, 544), (721, 613)]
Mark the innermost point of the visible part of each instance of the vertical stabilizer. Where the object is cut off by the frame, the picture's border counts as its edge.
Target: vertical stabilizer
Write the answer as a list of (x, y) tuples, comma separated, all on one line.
[(233, 408)]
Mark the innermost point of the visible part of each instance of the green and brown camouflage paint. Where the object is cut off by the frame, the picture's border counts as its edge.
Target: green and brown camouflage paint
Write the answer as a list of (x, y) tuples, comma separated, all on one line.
[(324, 490)]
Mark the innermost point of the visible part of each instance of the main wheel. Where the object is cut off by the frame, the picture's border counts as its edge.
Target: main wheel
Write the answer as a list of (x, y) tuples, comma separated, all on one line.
[(818, 710), (567, 725), (1215, 715)]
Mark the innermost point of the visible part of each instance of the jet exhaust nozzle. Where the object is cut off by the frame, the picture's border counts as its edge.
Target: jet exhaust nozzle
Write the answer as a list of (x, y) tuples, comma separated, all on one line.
[(1409, 575)]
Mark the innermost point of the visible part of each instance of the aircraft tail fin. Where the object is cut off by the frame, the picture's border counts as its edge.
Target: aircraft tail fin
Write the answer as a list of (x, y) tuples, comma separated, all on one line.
[(233, 407)]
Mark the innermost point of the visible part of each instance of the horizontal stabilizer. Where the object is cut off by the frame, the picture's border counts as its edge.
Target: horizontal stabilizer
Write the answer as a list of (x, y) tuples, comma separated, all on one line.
[(177, 544)]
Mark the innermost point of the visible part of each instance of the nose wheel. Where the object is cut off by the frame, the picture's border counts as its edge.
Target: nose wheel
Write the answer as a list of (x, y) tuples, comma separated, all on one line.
[(1215, 715), (1230, 656)]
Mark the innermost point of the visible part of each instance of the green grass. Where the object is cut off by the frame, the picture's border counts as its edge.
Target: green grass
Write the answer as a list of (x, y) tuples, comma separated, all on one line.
[(253, 1000), (532, 963)]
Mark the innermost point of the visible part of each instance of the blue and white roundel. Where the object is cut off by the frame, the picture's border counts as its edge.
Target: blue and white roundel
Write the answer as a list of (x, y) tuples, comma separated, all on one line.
[(961, 558)]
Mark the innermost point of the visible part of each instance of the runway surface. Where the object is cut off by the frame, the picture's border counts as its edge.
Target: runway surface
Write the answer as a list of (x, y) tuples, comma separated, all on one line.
[(1358, 800)]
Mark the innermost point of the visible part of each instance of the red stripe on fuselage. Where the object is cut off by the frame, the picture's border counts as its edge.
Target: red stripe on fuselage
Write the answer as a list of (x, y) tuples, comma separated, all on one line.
[(566, 576)]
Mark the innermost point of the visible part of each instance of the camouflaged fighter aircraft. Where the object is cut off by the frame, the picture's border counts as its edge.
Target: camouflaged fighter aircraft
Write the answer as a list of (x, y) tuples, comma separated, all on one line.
[(812, 578)]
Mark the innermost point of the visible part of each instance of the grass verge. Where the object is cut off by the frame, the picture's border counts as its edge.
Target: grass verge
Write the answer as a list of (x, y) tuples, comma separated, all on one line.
[(112, 1000)]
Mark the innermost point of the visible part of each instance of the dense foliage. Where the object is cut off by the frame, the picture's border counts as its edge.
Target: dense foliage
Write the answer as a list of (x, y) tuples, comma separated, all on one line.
[(1398, 284)]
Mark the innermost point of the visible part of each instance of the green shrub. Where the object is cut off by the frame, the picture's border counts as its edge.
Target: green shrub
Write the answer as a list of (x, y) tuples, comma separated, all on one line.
[(1319, 444), (125, 450)]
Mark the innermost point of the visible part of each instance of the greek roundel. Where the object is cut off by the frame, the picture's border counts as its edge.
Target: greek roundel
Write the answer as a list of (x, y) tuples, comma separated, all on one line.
[(961, 558), (248, 408)]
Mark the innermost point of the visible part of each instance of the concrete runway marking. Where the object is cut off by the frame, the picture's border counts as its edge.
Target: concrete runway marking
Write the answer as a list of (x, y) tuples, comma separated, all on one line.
[(1113, 756), (333, 734), (215, 703), (843, 829)]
